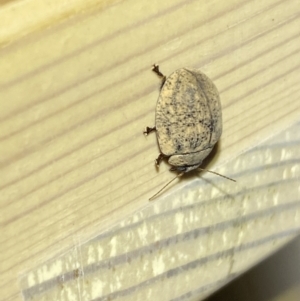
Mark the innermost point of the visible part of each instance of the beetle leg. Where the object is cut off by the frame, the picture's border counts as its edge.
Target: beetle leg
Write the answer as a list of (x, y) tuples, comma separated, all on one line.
[(148, 130), (159, 159), (155, 69)]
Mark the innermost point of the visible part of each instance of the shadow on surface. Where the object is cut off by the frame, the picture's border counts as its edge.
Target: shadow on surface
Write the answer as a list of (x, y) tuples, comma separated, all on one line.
[(276, 278)]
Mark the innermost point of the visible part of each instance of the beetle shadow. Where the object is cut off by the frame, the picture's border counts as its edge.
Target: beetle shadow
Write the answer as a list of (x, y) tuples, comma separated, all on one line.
[(213, 155)]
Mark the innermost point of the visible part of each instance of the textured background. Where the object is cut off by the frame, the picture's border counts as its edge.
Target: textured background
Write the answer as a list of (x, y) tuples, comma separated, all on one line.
[(76, 172)]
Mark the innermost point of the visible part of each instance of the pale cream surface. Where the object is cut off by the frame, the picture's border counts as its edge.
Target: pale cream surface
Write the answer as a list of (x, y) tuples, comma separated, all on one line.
[(191, 241), (76, 172)]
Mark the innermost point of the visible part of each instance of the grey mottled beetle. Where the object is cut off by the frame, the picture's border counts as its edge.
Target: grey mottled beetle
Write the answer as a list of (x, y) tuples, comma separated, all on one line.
[(188, 120)]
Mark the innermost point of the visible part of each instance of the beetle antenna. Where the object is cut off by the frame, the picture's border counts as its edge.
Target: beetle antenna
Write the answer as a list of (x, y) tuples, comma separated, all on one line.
[(179, 175), (216, 174)]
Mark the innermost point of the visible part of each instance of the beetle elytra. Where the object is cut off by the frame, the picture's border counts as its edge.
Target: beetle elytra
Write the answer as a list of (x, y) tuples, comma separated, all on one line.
[(188, 119)]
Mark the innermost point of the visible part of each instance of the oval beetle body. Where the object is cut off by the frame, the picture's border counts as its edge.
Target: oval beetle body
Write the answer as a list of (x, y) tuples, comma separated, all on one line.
[(188, 118), (188, 121)]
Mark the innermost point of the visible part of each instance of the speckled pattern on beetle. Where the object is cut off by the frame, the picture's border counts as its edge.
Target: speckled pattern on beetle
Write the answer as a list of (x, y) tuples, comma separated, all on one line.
[(188, 120)]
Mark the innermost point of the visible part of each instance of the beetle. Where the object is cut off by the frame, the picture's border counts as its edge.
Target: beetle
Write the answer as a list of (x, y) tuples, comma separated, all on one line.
[(188, 119)]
